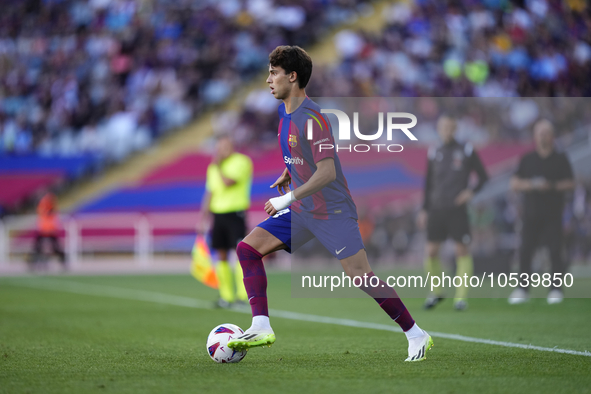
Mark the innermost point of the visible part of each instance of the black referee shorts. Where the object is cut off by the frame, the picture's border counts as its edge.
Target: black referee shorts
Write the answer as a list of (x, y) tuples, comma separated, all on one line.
[(228, 229), (449, 223)]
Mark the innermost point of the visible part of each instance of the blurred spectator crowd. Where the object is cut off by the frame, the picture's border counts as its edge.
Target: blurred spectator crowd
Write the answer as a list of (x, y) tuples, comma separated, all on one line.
[(107, 77), (463, 48)]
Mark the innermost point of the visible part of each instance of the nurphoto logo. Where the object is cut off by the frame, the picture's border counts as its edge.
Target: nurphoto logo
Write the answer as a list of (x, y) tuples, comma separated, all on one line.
[(344, 130)]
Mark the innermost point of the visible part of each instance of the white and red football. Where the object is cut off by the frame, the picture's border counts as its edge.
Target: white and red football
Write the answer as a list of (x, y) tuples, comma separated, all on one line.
[(217, 344)]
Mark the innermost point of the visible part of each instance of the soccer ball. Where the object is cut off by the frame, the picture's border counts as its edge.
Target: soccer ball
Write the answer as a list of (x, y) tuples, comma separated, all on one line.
[(217, 344)]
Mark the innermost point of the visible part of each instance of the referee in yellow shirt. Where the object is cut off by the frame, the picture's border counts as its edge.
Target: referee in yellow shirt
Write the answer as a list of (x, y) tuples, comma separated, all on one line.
[(227, 197)]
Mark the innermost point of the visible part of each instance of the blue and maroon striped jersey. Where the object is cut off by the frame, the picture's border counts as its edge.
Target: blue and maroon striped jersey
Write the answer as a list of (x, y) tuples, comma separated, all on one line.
[(301, 155)]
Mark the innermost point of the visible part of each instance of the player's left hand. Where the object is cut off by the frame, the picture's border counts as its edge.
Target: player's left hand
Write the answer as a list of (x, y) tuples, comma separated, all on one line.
[(276, 204), (464, 197), (270, 209)]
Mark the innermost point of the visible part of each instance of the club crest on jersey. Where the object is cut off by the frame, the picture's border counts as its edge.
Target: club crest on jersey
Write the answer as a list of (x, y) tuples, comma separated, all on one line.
[(293, 140)]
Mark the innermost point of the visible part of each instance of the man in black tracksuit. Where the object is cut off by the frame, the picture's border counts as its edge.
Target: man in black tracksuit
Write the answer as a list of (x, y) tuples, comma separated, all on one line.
[(544, 176), (447, 191)]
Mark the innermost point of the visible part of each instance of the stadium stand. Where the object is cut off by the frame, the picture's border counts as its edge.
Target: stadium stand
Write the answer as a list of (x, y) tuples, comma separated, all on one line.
[(431, 48), (107, 78), (179, 186), (467, 49), (101, 79), (21, 176)]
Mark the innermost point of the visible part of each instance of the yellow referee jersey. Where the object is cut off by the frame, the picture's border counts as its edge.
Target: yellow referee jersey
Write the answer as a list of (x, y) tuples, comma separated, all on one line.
[(224, 199)]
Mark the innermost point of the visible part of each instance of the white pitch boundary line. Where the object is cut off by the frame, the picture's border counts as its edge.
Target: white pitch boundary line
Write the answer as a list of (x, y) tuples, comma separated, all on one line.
[(169, 299)]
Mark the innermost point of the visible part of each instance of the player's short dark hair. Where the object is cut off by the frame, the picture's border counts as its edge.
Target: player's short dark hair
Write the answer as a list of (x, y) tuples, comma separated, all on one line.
[(293, 58)]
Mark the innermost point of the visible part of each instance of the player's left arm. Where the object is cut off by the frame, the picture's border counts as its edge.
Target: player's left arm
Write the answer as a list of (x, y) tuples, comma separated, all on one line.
[(474, 164), (325, 173)]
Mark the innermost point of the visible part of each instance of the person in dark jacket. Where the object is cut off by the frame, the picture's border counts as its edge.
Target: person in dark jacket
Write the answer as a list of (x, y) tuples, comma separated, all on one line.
[(543, 176), (446, 195)]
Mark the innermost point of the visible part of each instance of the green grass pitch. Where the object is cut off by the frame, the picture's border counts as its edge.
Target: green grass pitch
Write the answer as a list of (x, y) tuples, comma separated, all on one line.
[(57, 341)]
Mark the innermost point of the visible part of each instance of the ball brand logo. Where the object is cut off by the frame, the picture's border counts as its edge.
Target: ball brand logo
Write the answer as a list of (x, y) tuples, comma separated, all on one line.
[(293, 140)]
